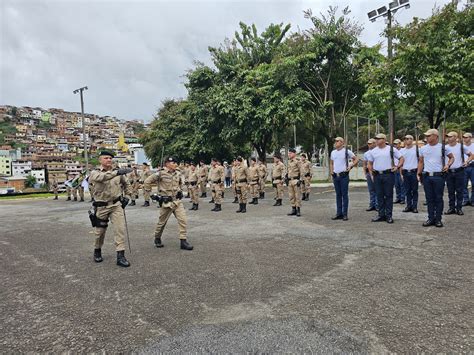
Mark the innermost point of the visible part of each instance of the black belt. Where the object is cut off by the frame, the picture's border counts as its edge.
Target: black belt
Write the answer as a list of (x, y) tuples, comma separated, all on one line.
[(409, 171), (433, 174), (255, 180), (193, 183), (456, 170), (307, 175), (295, 178), (344, 173), (203, 176), (217, 181), (377, 172), (104, 203), (241, 181)]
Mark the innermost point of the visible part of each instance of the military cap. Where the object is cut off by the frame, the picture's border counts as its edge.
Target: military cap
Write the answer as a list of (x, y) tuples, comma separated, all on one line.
[(170, 160), (292, 150), (431, 132), (467, 135), (304, 155), (408, 136), (397, 141), (277, 155), (380, 136), (452, 134), (239, 159), (339, 139), (371, 141), (146, 164), (106, 153)]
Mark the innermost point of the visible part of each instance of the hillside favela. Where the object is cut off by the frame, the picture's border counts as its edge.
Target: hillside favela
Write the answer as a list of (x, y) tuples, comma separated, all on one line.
[(38, 145)]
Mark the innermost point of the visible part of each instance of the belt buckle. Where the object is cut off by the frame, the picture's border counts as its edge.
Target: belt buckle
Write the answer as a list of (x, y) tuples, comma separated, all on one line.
[(431, 174)]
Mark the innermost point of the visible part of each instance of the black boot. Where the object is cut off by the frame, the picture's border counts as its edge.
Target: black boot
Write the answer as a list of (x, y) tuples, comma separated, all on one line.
[(98, 255), (298, 212), (196, 207), (240, 208), (215, 208), (185, 245), (82, 200), (244, 208), (256, 201), (121, 261), (307, 196), (193, 208), (293, 212), (158, 242), (236, 200), (68, 199), (278, 202), (450, 211), (146, 204), (263, 195), (222, 194), (75, 198), (212, 200), (132, 203), (218, 208), (56, 197), (252, 202)]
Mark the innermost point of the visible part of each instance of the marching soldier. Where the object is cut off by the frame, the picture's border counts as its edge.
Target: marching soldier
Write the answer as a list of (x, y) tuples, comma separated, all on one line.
[(69, 186), (242, 178), (193, 186), (203, 171), (253, 180), (382, 170), (233, 182), (143, 176), (409, 174), (294, 175), (468, 171), (340, 168), (169, 196), (278, 174), (306, 185), (455, 179), (370, 182), (433, 165), (262, 173), (109, 185), (216, 176), (399, 188), (134, 180), (54, 187)]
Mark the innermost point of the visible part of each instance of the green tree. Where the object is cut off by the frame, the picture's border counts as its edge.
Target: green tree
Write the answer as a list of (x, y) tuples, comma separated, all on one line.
[(30, 181)]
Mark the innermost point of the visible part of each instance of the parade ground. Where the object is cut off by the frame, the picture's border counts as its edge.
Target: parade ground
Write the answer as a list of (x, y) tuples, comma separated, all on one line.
[(261, 282)]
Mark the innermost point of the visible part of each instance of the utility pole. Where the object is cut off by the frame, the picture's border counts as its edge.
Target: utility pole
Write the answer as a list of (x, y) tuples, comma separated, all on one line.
[(391, 111), (84, 138)]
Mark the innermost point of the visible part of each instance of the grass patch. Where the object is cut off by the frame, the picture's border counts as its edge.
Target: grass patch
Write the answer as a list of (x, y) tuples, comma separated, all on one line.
[(20, 197)]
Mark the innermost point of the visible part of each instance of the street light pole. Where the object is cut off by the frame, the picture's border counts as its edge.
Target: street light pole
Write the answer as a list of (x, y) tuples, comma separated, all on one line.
[(84, 138)]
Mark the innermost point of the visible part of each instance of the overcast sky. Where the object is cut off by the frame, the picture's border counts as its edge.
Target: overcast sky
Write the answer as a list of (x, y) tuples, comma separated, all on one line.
[(133, 54)]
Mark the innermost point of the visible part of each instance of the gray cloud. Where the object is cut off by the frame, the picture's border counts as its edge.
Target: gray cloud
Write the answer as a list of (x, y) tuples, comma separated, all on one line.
[(133, 54)]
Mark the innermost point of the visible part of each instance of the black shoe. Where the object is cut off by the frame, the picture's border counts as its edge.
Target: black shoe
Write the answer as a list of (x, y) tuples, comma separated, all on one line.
[(68, 199), (389, 220), (236, 200), (55, 198), (379, 219), (212, 201), (133, 203), (428, 223), (146, 204), (298, 212), (240, 208), (465, 203), (345, 218), (407, 209), (98, 255), (217, 208), (371, 209), (402, 202), (82, 200), (121, 261), (293, 212), (75, 198), (256, 201), (439, 224), (450, 211), (397, 201), (185, 245), (414, 210), (158, 242), (425, 203), (279, 202), (244, 208), (263, 195), (193, 208), (252, 202), (307, 196), (222, 194), (336, 217), (196, 207), (460, 213)]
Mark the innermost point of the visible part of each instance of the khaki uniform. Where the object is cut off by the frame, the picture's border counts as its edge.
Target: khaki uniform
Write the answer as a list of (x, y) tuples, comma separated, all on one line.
[(295, 174), (242, 178), (262, 173), (233, 182), (54, 186), (108, 188), (143, 176), (254, 180), (193, 180), (203, 171), (134, 181), (216, 176), (169, 184), (278, 174), (306, 177)]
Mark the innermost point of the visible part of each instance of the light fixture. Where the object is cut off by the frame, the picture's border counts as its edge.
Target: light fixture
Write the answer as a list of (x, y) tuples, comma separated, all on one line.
[(372, 13), (393, 5), (382, 10)]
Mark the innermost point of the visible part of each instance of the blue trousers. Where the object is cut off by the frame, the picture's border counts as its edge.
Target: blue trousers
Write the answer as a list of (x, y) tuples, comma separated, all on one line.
[(399, 188), (455, 182), (341, 185), (384, 190), (410, 184), (434, 190), (372, 194), (468, 176)]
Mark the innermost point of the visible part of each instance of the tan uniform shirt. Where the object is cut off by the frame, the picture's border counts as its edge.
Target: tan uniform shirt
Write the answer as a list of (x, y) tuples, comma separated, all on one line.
[(133, 177), (278, 172), (194, 177), (144, 175), (294, 169), (169, 183), (203, 171), (241, 174), (108, 185), (262, 171), (306, 168), (216, 173), (253, 174)]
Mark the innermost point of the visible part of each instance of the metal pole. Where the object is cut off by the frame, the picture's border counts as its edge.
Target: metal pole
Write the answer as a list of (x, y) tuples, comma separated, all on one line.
[(391, 111), (86, 155)]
